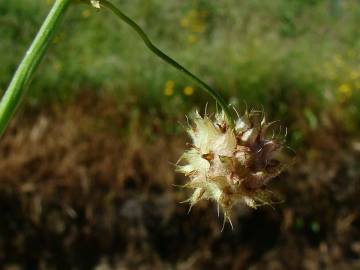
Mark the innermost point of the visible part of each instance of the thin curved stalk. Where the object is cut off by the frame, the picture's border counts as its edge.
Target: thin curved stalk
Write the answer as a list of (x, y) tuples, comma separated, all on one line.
[(218, 98), (29, 63)]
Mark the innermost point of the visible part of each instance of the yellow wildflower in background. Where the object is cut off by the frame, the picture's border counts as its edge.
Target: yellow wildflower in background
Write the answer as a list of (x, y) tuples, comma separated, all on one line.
[(169, 88), (194, 21), (188, 90), (344, 91)]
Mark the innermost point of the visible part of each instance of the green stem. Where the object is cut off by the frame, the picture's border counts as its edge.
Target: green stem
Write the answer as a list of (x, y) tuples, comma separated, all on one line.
[(29, 63), (218, 98)]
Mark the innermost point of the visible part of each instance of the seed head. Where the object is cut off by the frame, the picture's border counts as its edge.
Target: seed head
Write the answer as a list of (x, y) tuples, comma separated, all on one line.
[(231, 164)]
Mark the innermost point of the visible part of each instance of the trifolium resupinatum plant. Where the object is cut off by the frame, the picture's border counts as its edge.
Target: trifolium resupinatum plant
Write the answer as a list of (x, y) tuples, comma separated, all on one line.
[(231, 163)]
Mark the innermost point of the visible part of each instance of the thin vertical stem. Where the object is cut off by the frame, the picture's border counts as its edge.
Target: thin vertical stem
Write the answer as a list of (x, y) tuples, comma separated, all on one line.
[(29, 63), (213, 93)]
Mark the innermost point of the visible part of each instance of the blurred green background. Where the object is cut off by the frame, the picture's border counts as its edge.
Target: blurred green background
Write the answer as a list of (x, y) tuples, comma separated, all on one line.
[(283, 55), (299, 60)]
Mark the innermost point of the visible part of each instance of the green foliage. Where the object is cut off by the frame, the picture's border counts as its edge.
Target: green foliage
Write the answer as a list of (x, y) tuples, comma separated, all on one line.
[(278, 54)]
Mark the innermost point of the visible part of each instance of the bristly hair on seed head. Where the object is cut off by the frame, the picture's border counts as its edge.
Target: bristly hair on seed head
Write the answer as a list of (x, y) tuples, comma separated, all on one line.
[(232, 164)]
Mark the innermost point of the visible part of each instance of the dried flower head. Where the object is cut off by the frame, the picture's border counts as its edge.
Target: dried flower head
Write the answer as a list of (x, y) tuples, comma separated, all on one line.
[(231, 164)]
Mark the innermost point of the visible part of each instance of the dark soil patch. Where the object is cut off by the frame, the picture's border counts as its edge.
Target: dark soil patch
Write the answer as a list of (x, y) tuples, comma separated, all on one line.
[(85, 185)]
